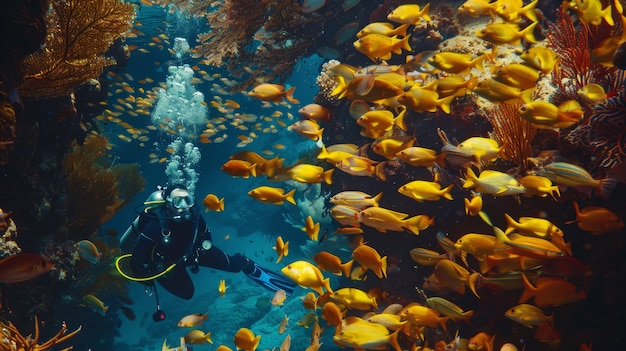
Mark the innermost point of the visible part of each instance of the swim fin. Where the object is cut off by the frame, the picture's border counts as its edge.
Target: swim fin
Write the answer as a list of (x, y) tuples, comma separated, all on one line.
[(271, 280)]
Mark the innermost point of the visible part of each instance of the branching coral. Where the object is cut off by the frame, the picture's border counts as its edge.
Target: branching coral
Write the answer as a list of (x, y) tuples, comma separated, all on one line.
[(573, 42), (12, 340), (512, 132), (79, 33), (93, 191), (602, 141)]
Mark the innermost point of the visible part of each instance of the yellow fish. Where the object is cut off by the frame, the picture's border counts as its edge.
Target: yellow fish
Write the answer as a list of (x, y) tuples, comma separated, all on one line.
[(369, 258), (449, 309), (361, 166), (333, 156), (543, 114), (212, 202), (362, 335), (419, 156), (409, 14), (192, 320), (476, 8), (245, 340), (281, 248), (485, 149), (378, 46), (517, 75), (222, 287), (383, 28), (311, 228), (353, 298), (528, 315), (279, 298), (493, 183), (307, 173), (539, 186), (591, 12), (420, 190), (197, 337), (271, 195), (498, 92), (273, 93), (420, 99), (307, 275), (453, 276), (95, 304), (456, 63), (419, 315), (512, 11), (507, 33), (307, 128), (383, 219), (530, 226), (540, 57), (331, 263), (592, 94), (357, 199)]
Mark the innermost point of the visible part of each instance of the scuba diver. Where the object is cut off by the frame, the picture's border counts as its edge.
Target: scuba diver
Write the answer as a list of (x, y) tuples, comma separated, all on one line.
[(170, 235)]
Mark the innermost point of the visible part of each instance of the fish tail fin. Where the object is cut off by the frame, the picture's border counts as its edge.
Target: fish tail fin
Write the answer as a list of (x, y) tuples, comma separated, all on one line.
[(347, 268), (404, 43), (441, 159), (221, 204), (577, 211), (286, 249), (379, 170), (471, 282), (289, 95), (529, 290), (528, 32), (383, 266), (316, 232), (445, 103), (606, 186), (478, 63), (207, 337), (485, 217), (471, 179), (401, 30), (412, 224), (376, 199), (252, 169), (289, 196), (555, 190), (425, 14), (256, 342), (327, 176), (393, 340), (606, 15), (500, 236), (326, 285), (467, 205), (529, 11), (446, 192), (323, 154), (510, 222)]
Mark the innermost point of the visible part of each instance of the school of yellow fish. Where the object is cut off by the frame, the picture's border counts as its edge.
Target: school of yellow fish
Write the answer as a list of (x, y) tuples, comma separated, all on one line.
[(531, 255)]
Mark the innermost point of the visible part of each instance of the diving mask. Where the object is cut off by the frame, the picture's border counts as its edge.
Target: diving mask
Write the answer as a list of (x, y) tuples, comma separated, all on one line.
[(180, 199)]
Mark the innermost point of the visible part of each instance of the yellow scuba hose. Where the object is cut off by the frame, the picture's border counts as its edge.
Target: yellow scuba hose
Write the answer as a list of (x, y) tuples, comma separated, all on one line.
[(142, 279)]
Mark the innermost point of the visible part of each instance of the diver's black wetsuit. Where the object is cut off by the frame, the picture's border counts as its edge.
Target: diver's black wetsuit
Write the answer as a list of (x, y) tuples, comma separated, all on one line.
[(188, 244)]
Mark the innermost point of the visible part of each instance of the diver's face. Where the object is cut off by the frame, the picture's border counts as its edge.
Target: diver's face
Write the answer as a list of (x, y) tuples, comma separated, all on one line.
[(180, 201)]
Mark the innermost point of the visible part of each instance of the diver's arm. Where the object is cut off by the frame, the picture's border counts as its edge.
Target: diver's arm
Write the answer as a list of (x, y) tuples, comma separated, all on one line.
[(141, 262)]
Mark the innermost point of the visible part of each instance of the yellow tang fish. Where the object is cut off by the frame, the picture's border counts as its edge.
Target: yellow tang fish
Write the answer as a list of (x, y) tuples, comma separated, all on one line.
[(245, 340), (419, 156), (362, 335), (222, 287), (311, 228), (331, 263), (307, 275), (456, 63), (212, 202), (498, 92), (528, 246), (507, 33), (273, 93), (198, 337), (512, 11), (421, 99), (421, 190), (281, 248), (378, 46), (357, 199), (453, 276), (543, 114), (383, 28), (353, 298), (476, 8), (517, 75), (419, 315), (306, 173), (271, 195), (389, 147), (591, 12), (539, 186), (369, 258), (493, 183), (592, 93), (530, 226), (409, 14), (376, 119), (333, 157), (528, 315)]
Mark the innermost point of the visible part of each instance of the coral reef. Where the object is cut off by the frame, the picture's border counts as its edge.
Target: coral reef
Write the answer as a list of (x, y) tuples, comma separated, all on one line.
[(7, 131), (12, 340), (601, 142), (513, 133), (93, 195), (8, 246), (573, 41), (80, 32)]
